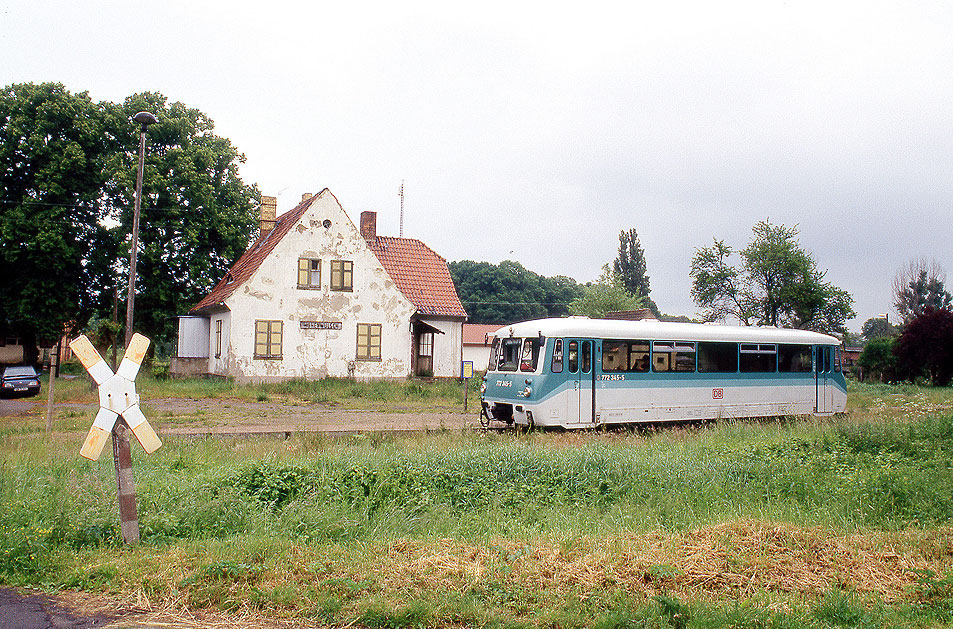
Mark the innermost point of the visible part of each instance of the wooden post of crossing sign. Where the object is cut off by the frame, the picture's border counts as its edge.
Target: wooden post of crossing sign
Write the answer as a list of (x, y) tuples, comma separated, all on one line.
[(118, 408)]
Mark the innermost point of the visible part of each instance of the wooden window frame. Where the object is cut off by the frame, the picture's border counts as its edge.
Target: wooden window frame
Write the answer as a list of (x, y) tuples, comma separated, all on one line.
[(342, 275), (307, 267), (271, 329), (218, 338), (367, 334)]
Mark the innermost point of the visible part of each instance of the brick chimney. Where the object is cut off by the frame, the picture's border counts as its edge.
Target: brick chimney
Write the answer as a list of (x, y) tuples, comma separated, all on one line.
[(269, 214), (369, 225)]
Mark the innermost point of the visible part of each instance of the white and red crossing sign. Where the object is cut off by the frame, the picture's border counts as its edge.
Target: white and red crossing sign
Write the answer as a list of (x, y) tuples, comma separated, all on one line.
[(117, 395)]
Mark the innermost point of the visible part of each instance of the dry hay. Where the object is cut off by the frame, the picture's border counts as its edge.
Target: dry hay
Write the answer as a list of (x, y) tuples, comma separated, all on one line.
[(734, 560)]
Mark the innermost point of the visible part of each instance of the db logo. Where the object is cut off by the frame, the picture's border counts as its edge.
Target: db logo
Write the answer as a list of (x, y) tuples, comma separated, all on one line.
[(717, 394)]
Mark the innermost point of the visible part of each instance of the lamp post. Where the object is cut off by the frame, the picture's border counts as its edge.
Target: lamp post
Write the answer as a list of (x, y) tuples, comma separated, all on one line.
[(145, 119), (122, 456)]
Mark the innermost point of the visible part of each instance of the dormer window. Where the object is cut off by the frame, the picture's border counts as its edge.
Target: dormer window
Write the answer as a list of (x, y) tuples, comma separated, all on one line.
[(309, 273), (342, 275)]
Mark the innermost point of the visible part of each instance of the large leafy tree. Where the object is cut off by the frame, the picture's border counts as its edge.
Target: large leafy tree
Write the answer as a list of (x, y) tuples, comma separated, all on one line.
[(197, 214), (776, 283), (56, 253), (68, 168), (918, 286), (925, 348), (509, 292)]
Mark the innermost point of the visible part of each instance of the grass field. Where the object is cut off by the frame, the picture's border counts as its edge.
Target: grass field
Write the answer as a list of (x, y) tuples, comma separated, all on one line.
[(805, 522)]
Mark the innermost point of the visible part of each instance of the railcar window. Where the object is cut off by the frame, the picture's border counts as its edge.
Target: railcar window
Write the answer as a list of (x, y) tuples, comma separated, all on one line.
[(530, 356), (717, 357), (509, 358), (758, 358), (573, 356), (794, 358), (673, 356), (625, 356), (639, 356), (586, 356), (557, 366), (615, 356)]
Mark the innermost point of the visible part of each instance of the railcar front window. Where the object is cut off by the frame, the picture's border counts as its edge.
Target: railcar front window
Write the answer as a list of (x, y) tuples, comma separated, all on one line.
[(494, 353), (557, 366), (530, 355), (509, 358)]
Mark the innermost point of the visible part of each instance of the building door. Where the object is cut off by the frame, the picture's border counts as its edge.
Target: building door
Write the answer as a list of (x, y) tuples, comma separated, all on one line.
[(424, 359)]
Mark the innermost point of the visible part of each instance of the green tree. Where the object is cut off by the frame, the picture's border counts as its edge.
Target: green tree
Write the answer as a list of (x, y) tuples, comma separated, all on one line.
[(56, 255), (629, 266), (777, 283), (604, 296), (68, 170), (508, 292), (878, 327), (878, 360), (197, 216), (918, 286)]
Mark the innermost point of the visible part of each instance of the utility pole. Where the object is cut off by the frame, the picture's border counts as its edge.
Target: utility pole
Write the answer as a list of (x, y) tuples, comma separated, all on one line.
[(122, 455)]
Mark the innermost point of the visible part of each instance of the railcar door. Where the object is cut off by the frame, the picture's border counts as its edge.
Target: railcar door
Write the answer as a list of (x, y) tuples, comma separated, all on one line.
[(580, 360), (823, 361)]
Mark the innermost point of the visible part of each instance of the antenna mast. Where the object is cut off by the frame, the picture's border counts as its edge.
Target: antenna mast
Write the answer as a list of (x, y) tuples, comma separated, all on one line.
[(401, 195)]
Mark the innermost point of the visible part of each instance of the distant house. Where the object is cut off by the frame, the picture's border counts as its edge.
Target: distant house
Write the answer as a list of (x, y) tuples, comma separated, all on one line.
[(316, 296), (477, 340)]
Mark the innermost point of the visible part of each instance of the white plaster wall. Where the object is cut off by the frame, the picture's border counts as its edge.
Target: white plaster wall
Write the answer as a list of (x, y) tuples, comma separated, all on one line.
[(193, 337), (272, 294), (479, 354), (220, 365)]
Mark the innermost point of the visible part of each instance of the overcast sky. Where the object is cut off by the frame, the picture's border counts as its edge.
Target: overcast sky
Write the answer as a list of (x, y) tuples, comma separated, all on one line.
[(538, 131)]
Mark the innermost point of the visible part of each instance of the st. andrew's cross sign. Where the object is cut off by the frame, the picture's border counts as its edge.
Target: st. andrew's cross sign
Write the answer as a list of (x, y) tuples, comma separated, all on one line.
[(117, 395)]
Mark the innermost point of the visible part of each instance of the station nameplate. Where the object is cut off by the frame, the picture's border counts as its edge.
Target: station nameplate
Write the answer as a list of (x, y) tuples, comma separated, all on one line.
[(320, 325)]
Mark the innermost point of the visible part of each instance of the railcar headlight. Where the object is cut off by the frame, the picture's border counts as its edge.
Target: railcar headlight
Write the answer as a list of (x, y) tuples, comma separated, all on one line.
[(526, 392), (483, 387)]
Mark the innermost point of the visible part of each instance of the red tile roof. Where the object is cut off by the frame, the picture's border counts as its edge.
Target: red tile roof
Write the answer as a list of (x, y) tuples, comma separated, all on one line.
[(420, 274), (246, 266), (479, 333)]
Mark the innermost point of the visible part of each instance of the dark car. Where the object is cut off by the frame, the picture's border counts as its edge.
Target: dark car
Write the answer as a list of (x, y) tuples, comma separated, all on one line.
[(19, 380)]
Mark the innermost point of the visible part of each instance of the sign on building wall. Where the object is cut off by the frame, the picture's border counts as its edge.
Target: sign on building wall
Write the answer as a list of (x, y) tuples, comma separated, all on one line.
[(321, 325)]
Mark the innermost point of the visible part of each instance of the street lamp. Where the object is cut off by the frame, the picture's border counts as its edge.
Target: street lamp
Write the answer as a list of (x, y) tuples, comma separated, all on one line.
[(122, 457), (145, 119)]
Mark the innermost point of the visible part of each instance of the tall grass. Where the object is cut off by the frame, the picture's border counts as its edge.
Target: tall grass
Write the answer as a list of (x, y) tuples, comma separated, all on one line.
[(298, 526)]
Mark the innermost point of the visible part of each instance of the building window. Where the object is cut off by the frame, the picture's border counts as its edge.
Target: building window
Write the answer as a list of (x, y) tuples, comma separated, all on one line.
[(309, 273), (342, 275), (267, 339), (368, 341), (218, 338)]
